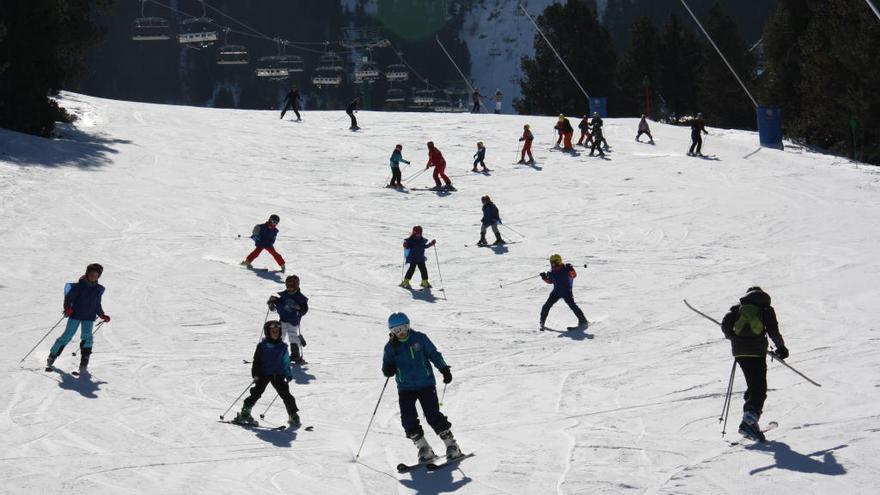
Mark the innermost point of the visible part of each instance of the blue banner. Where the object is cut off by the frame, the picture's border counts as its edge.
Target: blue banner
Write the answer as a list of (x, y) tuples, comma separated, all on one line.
[(770, 127), (599, 104)]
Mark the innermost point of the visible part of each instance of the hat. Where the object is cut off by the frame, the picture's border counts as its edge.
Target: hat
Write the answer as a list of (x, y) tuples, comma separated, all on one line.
[(417, 228), (430, 144), (274, 218), (398, 147), (486, 198), (556, 259), (95, 267)]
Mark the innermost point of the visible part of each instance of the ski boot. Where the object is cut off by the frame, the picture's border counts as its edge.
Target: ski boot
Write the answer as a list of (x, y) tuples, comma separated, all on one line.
[(283, 268), (531, 162), (244, 417), (425, 284), (293, 420), (405, 284), (749, 427), (521, 162), (436, 188), (51, 361), (449, 187), (246, 264), (541, 326), (426, 453), (474, 169), (85, 354), (498, 241), (482, 242), (452, 449), (296, 355)]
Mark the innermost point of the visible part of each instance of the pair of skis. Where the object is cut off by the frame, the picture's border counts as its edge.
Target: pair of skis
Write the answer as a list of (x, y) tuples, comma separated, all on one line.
[(257, 426), (432, 464)]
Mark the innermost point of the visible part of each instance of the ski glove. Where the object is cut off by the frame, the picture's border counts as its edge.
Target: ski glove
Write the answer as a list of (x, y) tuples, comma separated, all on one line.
[(389, 370), (68, 311), (782, 352), (105, 318), (447, 374), (271, 302), (544, 275), (302, 340)]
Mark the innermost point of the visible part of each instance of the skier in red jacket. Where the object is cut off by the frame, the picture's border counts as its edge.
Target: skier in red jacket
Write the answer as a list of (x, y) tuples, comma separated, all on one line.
[(527, 139), (435, 159)]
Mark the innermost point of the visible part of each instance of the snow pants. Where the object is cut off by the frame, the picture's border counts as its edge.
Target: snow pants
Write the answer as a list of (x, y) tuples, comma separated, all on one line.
[(696, 144), (559, 139), (440, 172), (644, 132), (485, 227), (290, 333), (478, 161), (395, 176), (291, 106), (755, 371), (476, 108), (70, 331), (271, 250), (585, 135), (568, 298), (423, 270), (280, 386), (526, 149), (597, 141), (354, 121), (409, 416), (567, 144)]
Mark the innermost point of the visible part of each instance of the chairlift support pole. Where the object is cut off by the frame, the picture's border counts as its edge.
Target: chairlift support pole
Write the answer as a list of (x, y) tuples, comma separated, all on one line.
[(465, 79)]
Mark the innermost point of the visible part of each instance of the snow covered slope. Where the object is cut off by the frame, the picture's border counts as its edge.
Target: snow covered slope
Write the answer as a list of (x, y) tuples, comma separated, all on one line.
[(160, 194)]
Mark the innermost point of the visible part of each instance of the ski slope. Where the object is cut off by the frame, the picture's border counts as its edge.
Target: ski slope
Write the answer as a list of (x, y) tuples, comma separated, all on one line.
[(159, 195)]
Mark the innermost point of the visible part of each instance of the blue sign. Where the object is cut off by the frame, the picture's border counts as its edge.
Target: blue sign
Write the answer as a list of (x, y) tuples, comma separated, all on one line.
[(770, 127), (599, 104)]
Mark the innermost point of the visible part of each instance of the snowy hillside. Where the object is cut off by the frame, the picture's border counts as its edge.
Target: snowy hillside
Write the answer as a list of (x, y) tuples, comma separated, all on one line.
[(160, 195)]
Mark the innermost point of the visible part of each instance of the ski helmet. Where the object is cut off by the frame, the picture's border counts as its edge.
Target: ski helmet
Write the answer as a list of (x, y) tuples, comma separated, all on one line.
[(269, 325), (430, 144), (397, 319), (274, 218), (486, 199), (561, 117), (95, 267), (399, 147), (526, 126), (417, 229), (556, 259)]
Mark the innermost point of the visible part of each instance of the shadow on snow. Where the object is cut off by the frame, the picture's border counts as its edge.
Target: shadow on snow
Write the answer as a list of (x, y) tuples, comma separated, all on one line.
[(83, 384), (788, 459), (74, 148)]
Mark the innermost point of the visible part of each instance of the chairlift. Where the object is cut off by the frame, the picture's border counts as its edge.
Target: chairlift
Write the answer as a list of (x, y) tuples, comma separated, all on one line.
[(395, 95), (396, 72), (423, 97), (327, 77), (150, 28), (272, 68), (367, 72), (198, 32), (229, 54), (441, 105), (330, 61)]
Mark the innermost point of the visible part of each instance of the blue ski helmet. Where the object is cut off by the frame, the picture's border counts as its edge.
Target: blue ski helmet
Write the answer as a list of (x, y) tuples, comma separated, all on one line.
[(397, 319)]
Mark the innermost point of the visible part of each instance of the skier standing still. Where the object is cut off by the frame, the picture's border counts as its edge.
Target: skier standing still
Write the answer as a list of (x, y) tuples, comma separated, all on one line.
[(491, 218), (562, 278), (698, 126), (479, 156), (584, 126), (291, 101), (396, 158), (436, 160), (644, 129), (291, 305), (526, 139), (414, 251)]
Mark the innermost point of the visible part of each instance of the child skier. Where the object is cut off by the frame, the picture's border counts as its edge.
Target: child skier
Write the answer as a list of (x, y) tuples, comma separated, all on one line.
[(747, 326), (562, 278), (527, 138), (414, 250), (698, 125), (291, 305), (584, 126), (479, 156), (644, 129), (436, 160), (408, 357), (563, 126), (82, 304), (396, 158), (491, 218), (271, 365), (264, 238), (598, 136)]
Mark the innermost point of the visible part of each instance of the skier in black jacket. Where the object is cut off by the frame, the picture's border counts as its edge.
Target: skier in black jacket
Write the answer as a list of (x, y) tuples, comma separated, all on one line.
[(747, 326), (697, 126), (291, 102), (350, 110), (598, 135)]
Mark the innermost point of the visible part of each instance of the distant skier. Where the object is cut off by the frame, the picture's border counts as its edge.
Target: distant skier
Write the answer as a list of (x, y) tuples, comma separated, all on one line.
[(747, 326), (271, 364), (475, 96), (491, 218), (584, 126), (414, 252), (264, 235), (292, 102), (698, 125), (566, 131), (291, 305), (499, 97), (479, 156), (82, 304), (408, 357), (644, 129), (598, 135), (527, 138), (436, 160), (562, 278), (396, 158), (597, 121), (350, 111)]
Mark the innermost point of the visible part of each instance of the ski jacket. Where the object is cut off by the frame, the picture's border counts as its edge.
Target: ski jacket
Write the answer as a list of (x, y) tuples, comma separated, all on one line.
[(499, 97), (490, 214), (435, 158), (697, 126), (597, 124), (85, 299), (396, 158), (562, 278), (351, 106), (292, 97), (271, 358), (414, 249), (564, 126), (480, 154), (412, 358), (527, 136), (643, 125), (748, 336), (285, 306), (584, 124), (264, 235)]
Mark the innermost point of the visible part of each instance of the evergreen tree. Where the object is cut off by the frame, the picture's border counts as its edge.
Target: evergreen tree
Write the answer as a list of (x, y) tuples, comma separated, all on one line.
[(680, 58), (640, 64), (782, 47)]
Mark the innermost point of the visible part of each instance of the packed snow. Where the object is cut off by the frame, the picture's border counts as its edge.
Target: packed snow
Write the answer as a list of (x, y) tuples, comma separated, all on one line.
[(165, 198)]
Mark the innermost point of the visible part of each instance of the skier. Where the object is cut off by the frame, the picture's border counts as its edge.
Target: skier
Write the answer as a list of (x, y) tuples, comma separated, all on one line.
[(475, 96), (264, 235), (563, 126), (414, 251), (498, 99), (598, 136), (350, 110), (527, 138), (479, 156), (747, 326), (436, 160), (408, 357), (291, 305), (292, 102), (396, 158), (491, 218), (697, 126), (644, 129), (584, 126), (271, 365), (82, 304), (562, 278)]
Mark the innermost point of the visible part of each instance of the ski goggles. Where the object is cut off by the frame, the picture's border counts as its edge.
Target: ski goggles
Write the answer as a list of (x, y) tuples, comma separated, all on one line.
[(400, 331)]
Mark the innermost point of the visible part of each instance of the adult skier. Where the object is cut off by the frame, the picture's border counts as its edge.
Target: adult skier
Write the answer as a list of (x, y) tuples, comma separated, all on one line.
[(414, 251), (291, 305), (747, 326), (584, 126), (563, 126), (264, 235), (499, 97), (408, 357), (436, 160), (475, 96), (479, 156), (491, 218), (561, 276), (82, 304), (350, 111), (291, 101), (526, 139), (598, 135), (644, 129), (396, 158), (271, 364), (698, 126)]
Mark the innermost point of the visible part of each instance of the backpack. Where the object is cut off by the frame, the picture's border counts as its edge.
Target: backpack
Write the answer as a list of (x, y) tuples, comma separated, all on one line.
[(749, 321), (255, 234)]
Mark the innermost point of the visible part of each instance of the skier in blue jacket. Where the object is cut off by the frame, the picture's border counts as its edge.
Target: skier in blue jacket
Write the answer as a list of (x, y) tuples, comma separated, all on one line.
[(491, 218), (562, 277), (264, 235), (408, 357), (479, 156), (271, 364), (82, 304), (291, 305), (414, 250), (396, 158)]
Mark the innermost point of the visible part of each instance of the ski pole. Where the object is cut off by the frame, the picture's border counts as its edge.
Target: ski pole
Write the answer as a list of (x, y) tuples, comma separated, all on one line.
[(512, 230), (439, 273), (725, 410), (443, 396), (774, 356), (236, 400), (260, 337), (410, 178), (402, 264), (704, 315), (263, 416), (41, 340), (371, 418), (518, 281), (97, 327)]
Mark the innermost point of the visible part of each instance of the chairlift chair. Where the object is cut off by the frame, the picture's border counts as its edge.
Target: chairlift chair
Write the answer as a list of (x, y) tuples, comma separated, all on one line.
[(150, 29), (395, 95), (324, 76), (396, 72), (232, 55), (270, 67), (424, 97), (198, 32), (367, 72)]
